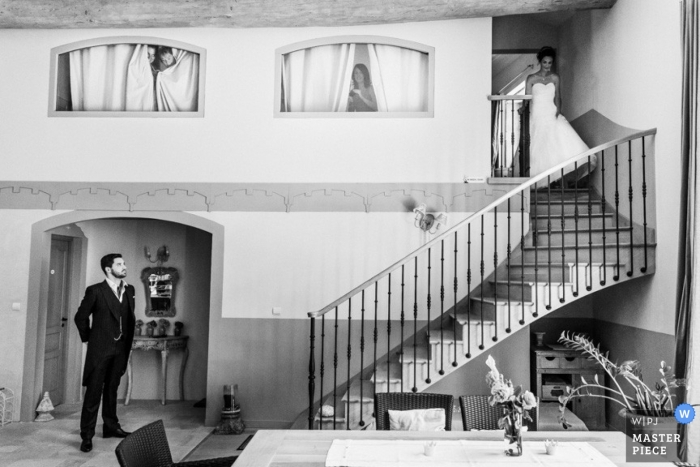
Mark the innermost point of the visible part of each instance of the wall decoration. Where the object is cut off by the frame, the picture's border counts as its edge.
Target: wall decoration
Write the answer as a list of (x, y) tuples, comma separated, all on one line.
[(142, 76), (355, 76)]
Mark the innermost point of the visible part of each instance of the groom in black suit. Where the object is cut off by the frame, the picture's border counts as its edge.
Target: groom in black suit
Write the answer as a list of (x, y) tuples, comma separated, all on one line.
[(109, 338)]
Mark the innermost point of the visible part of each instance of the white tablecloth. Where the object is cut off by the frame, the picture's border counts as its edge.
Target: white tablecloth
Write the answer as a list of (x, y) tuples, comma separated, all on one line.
[(394, 453)]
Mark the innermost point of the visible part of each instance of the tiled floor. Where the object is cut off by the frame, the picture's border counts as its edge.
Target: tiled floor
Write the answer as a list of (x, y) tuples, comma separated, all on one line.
[(56, 443)]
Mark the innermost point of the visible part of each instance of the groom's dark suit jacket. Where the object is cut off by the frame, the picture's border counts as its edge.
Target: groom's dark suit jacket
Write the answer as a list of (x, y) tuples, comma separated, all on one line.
[(102, 303)]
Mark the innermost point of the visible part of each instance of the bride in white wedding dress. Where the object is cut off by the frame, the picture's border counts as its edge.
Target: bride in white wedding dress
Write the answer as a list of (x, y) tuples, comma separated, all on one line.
[(552, 139)]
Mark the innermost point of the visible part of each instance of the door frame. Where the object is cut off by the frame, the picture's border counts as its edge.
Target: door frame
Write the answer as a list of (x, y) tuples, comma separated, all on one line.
[(34, 342)]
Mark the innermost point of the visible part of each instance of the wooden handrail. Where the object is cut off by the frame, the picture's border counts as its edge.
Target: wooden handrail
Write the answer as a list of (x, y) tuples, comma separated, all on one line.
[(516, 97), (532, 181)]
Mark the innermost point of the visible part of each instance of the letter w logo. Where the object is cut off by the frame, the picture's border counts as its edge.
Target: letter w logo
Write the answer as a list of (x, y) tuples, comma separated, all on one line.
[(684, 413)]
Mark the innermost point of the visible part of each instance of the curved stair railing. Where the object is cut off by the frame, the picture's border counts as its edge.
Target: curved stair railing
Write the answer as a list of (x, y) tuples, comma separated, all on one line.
[(483, 279)]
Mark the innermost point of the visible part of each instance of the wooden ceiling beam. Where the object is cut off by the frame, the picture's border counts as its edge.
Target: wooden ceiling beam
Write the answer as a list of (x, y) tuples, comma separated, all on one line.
[(73, 14)]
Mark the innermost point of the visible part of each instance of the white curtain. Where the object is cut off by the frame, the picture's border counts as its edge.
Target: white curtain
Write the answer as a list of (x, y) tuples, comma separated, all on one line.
[(400, 78), (178, 86), (317, 79), (118, 77)]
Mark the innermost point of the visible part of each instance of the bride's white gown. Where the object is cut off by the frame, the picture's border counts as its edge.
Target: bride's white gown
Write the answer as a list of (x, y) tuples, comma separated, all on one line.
[(552, 139)]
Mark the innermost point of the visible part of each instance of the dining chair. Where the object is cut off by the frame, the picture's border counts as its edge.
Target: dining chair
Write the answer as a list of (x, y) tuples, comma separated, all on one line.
[(478, 414), (385, 401), (148, 447)]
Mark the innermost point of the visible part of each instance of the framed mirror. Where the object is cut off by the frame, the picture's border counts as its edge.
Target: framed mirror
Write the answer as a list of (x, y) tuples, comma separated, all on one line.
[(160, 287)]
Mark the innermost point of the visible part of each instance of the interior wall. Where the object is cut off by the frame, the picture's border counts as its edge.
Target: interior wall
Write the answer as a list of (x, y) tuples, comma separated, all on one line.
[(518, 32), (239, 135), (626, 64)]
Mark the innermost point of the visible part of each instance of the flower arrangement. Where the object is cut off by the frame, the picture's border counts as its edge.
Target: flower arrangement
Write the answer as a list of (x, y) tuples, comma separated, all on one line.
[(515, 404), (139, 323), (163, 325), (656, 402)]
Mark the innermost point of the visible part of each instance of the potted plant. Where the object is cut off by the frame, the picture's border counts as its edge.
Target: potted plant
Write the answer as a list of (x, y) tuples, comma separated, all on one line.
[(177, 330), (150, 327), (163, 325), (643, 401), (137, 330)]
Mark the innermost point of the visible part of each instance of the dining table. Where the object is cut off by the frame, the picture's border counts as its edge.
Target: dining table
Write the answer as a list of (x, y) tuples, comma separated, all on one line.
[(321, 448)]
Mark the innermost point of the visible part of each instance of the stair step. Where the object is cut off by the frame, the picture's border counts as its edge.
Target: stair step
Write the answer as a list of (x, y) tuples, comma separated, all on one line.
[(554, 238), (596, 220), (513, 288), (569, 207), (367, 387), (380, 376)]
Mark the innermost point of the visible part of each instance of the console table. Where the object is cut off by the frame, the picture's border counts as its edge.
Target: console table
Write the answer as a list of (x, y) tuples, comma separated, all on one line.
[(555, 368), (164, 345)]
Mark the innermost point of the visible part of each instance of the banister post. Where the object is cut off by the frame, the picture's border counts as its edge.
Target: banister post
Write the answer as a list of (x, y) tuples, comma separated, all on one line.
[(312, 373)]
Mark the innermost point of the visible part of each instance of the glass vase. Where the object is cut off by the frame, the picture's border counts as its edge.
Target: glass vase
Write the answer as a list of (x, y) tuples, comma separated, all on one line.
[(513, 433)]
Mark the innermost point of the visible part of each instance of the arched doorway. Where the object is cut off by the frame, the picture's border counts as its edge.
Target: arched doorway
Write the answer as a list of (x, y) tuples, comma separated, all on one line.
[(42, 234)]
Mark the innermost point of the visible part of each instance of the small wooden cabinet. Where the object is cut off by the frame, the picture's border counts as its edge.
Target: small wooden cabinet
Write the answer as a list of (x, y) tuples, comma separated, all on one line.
[(554, 369)]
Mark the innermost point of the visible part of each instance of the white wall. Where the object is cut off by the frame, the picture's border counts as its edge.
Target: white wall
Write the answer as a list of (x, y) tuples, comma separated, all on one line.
[(238, 140), (626, 64)]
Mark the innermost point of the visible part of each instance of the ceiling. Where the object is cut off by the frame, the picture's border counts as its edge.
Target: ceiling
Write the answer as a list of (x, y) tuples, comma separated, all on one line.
[(70, 14)]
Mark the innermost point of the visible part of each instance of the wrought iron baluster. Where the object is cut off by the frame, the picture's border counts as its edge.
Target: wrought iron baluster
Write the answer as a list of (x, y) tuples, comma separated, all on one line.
[(602, 215), (415, 325), (481, 303), (504, 143), (388, 336), (454, 321), (616, 277), (563, 242), (312, 371), (534, 241), (522, 256), (576, 216), (495, 272), (469, 291), (323, 370), (362, 357), (589, 285), (549, 242), (644, 204), (630, 271), (508, 269), (442, 306), (376, 334), (403, 319), (347, 383), (427, 380), (335, 369)]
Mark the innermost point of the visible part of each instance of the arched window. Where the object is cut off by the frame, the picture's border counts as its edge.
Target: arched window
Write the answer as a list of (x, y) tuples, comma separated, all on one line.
[(355, 76), (127, 76)]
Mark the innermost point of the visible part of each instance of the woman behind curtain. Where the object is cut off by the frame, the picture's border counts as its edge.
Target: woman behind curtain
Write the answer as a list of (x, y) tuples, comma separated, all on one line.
[(118, 77), (317, 79), (177, 86)]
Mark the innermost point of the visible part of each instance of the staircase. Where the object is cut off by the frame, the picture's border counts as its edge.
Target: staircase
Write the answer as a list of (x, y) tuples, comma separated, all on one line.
[(568, 244)]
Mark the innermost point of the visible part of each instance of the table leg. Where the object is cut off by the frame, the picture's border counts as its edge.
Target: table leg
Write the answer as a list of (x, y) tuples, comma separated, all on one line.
[(128, 380), (164, 372), (182, 373)]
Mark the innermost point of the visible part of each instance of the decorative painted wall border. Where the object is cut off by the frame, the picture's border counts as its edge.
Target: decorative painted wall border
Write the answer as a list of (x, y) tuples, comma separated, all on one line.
[(263, 197)]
